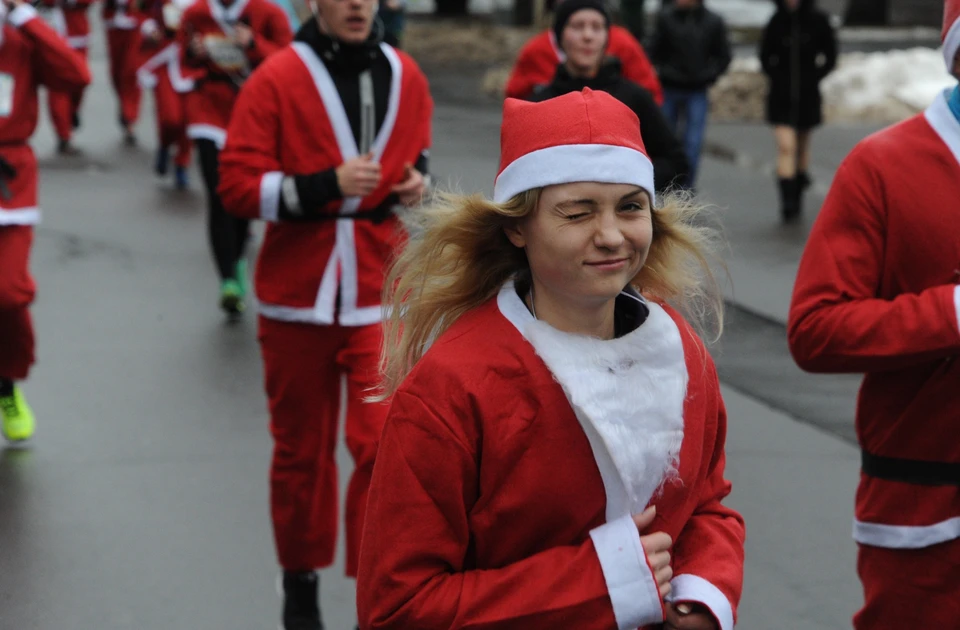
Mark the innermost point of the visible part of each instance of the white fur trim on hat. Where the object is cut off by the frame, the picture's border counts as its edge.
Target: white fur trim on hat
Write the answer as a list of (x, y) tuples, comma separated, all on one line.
[(568, 163), (951, 44)]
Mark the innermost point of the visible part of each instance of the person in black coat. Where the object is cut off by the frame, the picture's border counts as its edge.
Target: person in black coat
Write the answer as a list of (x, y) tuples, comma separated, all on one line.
[(798, 49), (582, 29)]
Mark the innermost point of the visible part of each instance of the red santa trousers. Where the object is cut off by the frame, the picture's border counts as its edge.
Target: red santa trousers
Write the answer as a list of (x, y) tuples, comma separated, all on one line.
[(16, 293), (304, 366), (909, 588), (63, 106), (124, 48), (171, 119)]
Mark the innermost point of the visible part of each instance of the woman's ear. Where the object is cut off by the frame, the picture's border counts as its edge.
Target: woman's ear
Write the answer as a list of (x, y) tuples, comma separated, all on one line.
[(514, 232)]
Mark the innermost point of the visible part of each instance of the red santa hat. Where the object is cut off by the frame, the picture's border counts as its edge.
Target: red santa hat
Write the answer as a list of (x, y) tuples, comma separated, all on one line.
[(578, 137), (951, 31)]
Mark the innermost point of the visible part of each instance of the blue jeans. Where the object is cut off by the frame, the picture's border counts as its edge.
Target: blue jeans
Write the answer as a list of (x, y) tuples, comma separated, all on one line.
[(690, 107)]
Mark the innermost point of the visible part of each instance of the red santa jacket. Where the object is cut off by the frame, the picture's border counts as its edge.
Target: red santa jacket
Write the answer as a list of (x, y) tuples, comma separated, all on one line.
[(877, 292), (31, 55), (289, 120), (511, 461), (69, 19), (120, 14), (539, 57), (162, 17), (217, 80)]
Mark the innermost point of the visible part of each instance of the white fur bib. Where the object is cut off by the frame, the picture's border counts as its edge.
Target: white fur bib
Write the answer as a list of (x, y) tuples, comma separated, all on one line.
[(627, 393)]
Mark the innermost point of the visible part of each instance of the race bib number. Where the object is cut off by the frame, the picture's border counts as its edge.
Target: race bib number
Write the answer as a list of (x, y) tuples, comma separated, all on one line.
[(226, 54), (6, 94)]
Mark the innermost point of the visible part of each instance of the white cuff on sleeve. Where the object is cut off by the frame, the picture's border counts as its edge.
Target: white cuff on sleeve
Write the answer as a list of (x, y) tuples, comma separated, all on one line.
[(956, 303), (693, 588), (270, 195), (21, 15), (630, 582)]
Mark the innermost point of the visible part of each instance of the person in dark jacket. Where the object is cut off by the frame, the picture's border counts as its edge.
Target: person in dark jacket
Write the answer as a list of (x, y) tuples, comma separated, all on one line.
[(582, 28), (797, 51), (690, 50)]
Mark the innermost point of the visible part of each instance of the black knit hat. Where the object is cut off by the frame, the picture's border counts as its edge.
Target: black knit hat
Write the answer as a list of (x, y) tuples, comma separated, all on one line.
[(567, 8)]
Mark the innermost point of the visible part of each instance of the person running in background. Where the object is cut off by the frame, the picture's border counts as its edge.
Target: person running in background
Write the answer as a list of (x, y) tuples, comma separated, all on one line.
[(161, 72), (538, 60), (220, 44), (690, 50), (69, 19), (554, 452), (31, 54), (582, 29), (123, 47), (797, 51), (878, 293), (327, 138)]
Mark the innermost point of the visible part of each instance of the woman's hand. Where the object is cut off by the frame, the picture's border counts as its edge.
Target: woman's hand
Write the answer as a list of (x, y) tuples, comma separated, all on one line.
[(689, 616), (657, 547)]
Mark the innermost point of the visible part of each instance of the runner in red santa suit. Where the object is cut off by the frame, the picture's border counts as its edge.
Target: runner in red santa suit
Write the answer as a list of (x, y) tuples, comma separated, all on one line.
[(554, 452), (221, 43), (31, 54), (123, 46), (327, 138), (161, 72), (538, 59), (877, 293), (69, 19)]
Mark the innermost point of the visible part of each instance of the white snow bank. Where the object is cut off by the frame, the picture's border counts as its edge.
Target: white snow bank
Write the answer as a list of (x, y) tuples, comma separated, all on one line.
[(870, 84)]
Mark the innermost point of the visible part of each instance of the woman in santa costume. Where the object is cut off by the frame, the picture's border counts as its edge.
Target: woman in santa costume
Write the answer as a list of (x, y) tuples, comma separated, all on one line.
[(538, 60), (161, 72), (328, 137), (123, 46), (221, 43), (69, 19), (878, 292), (553, 456), (31, 54)]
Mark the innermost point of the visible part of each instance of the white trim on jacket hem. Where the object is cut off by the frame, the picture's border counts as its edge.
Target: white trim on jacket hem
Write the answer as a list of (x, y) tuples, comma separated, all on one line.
[(208, 132), (633, 590), (20, 216), (364, 316), (270, 195), (79, 42), (906, 536), (693, 588)]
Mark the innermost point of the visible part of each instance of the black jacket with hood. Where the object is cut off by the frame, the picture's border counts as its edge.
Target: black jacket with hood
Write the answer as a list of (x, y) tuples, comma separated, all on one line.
[(689, 47), (798, 49)]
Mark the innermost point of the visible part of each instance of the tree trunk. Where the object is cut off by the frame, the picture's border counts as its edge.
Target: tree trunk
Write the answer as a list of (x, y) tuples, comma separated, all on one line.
[(451, 8), (867, 13)]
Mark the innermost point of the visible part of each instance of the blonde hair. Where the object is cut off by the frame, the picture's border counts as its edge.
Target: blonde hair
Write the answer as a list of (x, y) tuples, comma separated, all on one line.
[(459, 257)]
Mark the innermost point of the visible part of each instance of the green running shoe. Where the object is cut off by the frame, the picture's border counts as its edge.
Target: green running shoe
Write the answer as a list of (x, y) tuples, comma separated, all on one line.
[(231, 297), (241, 275), (18, 423)]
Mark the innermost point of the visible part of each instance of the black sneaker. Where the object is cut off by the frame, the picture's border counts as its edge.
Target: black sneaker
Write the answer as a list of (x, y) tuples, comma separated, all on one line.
[(301, 610)]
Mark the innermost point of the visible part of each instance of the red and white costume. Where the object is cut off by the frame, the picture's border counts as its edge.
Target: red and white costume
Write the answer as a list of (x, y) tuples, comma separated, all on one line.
[(211, 100), (877, 292), (511, 462), (539, 57), (161, 72), (69, 19), (319, 283), (514, 455), (31, 54), (123, 45)]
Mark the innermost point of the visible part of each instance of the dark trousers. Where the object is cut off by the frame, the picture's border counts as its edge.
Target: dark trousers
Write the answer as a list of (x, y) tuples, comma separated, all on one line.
[(228, 234)]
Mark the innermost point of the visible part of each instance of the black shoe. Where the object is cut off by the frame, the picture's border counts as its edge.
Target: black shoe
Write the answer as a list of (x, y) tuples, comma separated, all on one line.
[(789, 199), (301, 609), (65, 148), (162, 164)]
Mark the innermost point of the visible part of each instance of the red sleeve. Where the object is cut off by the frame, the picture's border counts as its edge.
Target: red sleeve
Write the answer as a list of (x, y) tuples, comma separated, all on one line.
[(57, 66), (527, 72), (250, 176), (837, 321), (637, 66), (417, 535), (274, 37), (708, 554)]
